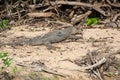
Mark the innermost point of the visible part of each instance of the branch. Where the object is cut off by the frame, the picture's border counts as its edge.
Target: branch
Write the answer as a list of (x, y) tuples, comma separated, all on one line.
[(96, 6), (74, 20), (71, 3), (40, 14), (115, 17), (100, 62), (113, 4)]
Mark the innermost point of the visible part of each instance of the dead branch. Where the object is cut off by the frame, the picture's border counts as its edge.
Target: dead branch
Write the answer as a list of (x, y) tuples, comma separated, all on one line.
[(96, 6), (40, 14), (76, 19), (71, 3), (100, 62), (113, 4), (103, 60), (115, 17)]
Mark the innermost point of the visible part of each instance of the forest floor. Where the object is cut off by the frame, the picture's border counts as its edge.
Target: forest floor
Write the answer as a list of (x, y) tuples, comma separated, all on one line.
[(27, 60)]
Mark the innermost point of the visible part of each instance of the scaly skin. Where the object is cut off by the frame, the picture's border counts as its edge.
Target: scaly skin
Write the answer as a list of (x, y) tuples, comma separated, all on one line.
[(51, 37)]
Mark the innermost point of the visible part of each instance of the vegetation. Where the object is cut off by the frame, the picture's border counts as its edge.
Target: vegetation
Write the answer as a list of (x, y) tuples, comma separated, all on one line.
[(3, 25), (91, 21), (5, 59)]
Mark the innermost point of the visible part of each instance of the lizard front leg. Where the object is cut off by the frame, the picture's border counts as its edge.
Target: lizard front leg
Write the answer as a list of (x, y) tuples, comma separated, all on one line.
[(49, 46), (74, 38)]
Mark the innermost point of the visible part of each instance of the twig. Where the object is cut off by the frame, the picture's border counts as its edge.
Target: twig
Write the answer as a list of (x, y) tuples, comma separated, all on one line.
[(52, 72), (42, 68), (97, 73), (62, 23)]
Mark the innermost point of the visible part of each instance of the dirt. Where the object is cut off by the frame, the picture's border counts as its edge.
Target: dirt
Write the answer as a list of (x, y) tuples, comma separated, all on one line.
[(92, 39)]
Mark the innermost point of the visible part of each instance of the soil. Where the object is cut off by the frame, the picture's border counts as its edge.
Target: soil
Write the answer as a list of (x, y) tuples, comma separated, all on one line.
[(39, 55)]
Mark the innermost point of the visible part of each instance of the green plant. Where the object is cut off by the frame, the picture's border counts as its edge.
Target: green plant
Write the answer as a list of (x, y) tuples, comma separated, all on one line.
[(91, 21), (3, 24), (15, 69), (5, 59)]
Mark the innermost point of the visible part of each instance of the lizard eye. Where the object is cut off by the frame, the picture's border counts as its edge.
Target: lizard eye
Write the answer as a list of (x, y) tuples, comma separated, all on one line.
[(59, 34)]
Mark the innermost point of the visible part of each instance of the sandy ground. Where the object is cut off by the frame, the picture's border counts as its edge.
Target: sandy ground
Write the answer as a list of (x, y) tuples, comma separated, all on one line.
[(58, 58)]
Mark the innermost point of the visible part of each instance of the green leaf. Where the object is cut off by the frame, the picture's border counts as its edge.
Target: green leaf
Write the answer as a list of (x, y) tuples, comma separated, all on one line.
[(91, 21), (7, 61), (3, 54), (3, 24)]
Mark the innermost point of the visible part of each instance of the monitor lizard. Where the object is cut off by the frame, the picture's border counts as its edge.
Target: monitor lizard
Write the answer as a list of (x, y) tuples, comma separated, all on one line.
[(51, 37)]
